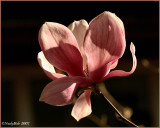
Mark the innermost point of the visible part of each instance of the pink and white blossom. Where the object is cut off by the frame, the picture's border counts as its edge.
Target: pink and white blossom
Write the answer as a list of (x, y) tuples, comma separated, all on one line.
[(87, 53)]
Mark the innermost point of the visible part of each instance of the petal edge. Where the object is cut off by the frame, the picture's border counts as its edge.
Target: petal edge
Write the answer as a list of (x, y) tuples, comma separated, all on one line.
[(119, 73), (47, 67), (82, 107)]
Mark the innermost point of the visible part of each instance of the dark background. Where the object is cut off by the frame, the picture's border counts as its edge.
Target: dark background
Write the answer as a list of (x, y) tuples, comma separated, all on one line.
[(23, 80)]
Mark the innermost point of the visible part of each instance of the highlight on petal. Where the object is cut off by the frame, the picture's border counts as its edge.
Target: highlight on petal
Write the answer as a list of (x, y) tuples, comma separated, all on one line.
[(104, 42), (113, 64), (116, 73), (61, 91), (47, 67), (82, 107), (79, 29), (60, 48)]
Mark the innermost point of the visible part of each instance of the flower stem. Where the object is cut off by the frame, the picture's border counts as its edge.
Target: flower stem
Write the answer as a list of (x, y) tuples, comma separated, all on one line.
[(120, 116)]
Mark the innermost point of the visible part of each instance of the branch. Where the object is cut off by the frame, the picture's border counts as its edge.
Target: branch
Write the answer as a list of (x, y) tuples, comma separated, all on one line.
[(121, 117), (125, 111)]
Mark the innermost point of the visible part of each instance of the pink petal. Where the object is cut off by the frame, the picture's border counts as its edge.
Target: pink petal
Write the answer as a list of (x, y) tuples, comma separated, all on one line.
[(61, 91), (113, 64), (116, 73), (79, 29), (104, 42), (60, 48), (82, 107), (47, 67)]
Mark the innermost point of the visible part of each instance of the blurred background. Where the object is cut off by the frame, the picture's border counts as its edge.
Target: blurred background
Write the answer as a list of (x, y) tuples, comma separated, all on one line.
[(22, 79)]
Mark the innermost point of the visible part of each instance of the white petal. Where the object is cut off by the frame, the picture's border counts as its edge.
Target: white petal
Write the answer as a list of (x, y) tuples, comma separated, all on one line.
[(47, 67), (43, 62), (79, 29), (82, 107)]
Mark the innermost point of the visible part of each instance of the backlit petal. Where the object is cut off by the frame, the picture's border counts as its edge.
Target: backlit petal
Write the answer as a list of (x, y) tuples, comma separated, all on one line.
[(47, 67), (104, 42), (79, 29), (61, 91), (60, 48), (82, 107), (116, 73), (113, 64)]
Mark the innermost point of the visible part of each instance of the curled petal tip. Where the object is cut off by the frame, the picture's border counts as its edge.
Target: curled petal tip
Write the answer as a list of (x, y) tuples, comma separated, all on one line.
[(132, 48)]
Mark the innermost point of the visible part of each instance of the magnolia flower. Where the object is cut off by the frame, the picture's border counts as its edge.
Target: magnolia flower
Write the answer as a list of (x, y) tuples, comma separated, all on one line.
[(87, 53)]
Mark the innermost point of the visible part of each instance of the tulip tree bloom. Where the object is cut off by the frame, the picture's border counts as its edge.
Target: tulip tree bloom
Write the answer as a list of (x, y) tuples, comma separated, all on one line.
[(87, 53)]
